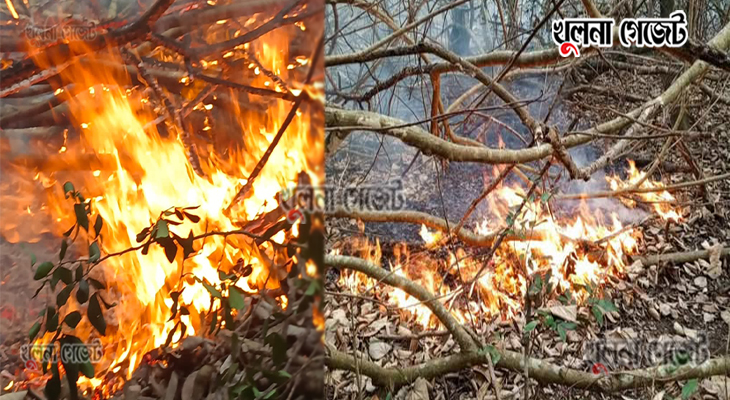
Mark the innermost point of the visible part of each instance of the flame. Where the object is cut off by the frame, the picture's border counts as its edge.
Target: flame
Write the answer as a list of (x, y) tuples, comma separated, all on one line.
[(148, 173), (577, 252)]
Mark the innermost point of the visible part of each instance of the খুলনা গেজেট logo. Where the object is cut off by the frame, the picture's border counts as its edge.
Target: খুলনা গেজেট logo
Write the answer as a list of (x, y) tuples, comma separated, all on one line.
[(572, 34)]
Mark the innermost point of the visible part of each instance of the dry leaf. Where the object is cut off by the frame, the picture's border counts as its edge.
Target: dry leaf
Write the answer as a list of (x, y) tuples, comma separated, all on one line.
[(715, 269), (567, 313), (378, 349), (419, 391)]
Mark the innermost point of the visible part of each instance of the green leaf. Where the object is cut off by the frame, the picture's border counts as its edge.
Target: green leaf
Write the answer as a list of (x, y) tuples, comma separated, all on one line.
[(550, 321), (563, 334), (43, 270), (162, 230), (235, 298), (32, 259), (530, 326), (79, 273), (34, 330), (68, 187), (271, 393), (278, 348), (65, 275), (212, 290), (493, 353), (53, 386), (284, 374), (82, 294), (81, 217), (52, 323), (64, 247), (607, 305), (598, 314), (63, 296), (98, 224), (689, 389), (72, 319), (96, 316), (94, 252)]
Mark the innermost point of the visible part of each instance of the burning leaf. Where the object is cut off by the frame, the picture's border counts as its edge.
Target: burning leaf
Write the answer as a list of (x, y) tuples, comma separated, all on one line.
[(95, 314), (43, 270)]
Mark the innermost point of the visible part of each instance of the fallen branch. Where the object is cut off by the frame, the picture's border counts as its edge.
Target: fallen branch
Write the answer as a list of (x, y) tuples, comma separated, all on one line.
[(681, 257)]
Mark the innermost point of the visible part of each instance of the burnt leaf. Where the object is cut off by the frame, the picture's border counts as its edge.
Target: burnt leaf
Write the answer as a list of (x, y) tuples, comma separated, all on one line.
[(72, 319), (63, 295), (81, 217), (235, 298), (82, 294), (187, 245), (247, 270), (43, 270), (146, 248), (53, 386), (68, 187), (170, 247), (94, 252), (173, 309), (96, 316), (98, 224), (34, 330), (183, 329), (178, 214), (192, 217), (184, 311), (171, 334), (142, 235), (64, 247)]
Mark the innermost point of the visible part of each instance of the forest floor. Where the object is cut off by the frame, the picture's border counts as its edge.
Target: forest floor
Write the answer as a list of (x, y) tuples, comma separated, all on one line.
[(690, 300)]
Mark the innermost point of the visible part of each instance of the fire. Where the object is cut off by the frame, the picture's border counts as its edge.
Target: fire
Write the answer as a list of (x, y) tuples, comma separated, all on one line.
[(575, 253), (149, 173)]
